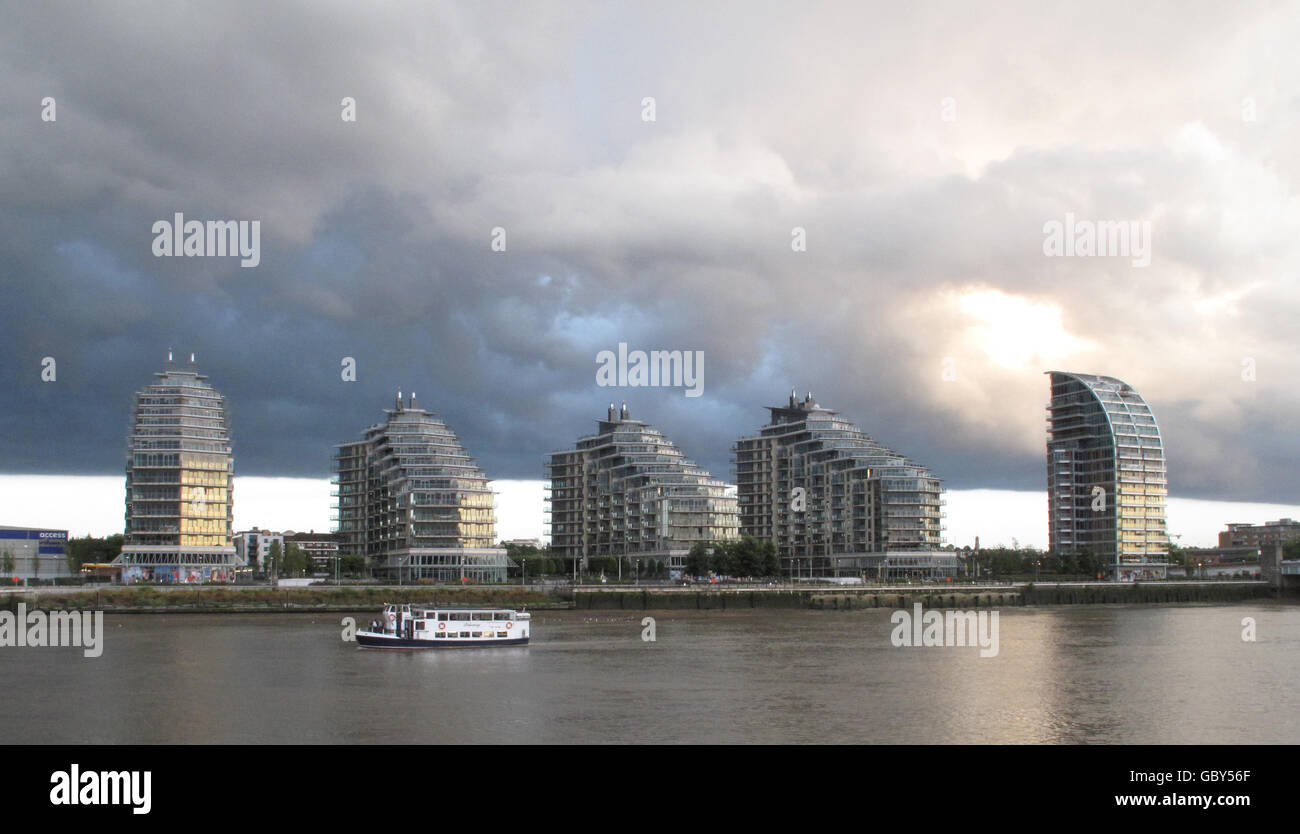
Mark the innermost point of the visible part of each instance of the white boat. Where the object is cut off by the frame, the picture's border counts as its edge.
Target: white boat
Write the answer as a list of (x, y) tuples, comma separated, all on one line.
[(440, 627)]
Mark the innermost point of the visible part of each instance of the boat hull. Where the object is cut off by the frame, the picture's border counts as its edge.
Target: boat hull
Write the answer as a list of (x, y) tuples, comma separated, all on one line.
[(371, 640)]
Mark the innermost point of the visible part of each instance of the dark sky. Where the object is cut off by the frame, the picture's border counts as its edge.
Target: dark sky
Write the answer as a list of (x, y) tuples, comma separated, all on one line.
[(920, 150)]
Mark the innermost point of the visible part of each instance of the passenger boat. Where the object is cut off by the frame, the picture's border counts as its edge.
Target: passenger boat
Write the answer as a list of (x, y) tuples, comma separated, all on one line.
[(435, 627)]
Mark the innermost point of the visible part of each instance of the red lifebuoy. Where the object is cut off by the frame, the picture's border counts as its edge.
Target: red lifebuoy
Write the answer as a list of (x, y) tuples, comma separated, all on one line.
[(442, 626), (510, 625)]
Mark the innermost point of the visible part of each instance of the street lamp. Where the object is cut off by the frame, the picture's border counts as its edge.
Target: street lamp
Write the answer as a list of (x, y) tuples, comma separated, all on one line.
[(523, 576)]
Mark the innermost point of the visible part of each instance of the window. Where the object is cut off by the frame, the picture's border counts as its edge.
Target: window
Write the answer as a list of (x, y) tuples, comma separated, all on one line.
[(502, 633), (501, 615), (464, 634)]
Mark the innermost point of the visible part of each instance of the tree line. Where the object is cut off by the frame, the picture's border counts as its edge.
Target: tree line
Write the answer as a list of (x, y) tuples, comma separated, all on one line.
[(746, 556)]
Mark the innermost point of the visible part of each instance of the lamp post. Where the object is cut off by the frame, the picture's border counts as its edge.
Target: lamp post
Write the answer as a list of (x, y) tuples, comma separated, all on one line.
[(523, 576)]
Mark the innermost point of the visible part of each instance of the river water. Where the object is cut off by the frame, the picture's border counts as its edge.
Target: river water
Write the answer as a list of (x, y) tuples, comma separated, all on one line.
[(1098, 674)]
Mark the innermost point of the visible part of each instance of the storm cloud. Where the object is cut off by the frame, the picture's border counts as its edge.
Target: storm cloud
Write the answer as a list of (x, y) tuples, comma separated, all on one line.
[(920, 150)]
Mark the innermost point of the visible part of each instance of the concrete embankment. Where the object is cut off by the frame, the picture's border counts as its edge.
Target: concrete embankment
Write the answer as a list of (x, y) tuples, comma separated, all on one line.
[(250, 600), (840, 598)]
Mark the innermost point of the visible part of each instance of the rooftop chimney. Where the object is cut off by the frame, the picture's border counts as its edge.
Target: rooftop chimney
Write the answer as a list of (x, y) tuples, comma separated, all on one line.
[(624, 416), (611, 413)]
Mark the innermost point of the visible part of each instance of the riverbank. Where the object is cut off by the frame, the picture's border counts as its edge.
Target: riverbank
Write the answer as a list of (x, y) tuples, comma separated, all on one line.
[(251, 600), (993, 596), (350, 598)]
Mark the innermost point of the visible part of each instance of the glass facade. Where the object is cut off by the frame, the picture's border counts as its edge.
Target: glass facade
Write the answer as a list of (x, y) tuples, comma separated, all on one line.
[(827, 495), (628, 491), (1106, 479), (180, 478), (409, 497)]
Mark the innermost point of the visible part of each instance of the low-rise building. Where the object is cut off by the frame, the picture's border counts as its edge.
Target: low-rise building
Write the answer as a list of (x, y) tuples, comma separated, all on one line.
[(254, 546), (320, 548), (36, 553), (1260, 535)]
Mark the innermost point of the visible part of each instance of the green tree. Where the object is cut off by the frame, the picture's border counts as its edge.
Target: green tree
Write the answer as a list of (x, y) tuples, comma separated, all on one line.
[(91, 550), (295, 561), (726, 559), (748, 556), (351, 564), (1088, 562), (771, 564), (1291, 549), (697, 561), (7, 563), (273, 559)]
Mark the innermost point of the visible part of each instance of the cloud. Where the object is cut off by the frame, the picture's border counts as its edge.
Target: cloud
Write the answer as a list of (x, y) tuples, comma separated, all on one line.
[(924, 234)]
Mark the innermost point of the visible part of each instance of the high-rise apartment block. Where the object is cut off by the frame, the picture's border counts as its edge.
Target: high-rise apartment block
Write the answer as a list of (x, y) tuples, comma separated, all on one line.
[(834, 501), (1106, 480), (627, 491), (180, 479), (412, 500)]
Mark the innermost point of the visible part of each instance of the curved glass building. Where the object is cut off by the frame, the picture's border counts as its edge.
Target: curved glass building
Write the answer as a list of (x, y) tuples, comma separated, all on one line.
[(1106, 479), (412, 500), (180, 482), (629, 491)]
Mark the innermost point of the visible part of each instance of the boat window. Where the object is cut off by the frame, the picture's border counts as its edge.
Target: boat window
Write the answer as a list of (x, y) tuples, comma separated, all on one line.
[(501, 634), (464, 634), (419, 625), (459, 616), (501, 615)]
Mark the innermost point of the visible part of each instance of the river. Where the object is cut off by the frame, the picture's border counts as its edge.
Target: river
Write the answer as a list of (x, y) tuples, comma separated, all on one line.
[(1095, 674)]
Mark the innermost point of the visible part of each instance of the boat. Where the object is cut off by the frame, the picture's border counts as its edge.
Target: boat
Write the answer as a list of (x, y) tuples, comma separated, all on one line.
[(440, 627)]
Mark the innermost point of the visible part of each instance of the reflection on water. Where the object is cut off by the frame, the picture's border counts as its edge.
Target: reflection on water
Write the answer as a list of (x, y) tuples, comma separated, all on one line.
[(1108, 674)]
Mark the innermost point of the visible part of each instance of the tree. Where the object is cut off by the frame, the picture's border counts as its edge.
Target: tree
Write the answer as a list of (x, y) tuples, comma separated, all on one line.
[(295, 561), (748, 557), (771, 564), (1291, 549), (1088, 562), (92, 550), (726, 559), (352, 564), (273, 559), (697, 561), (7, 563)]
